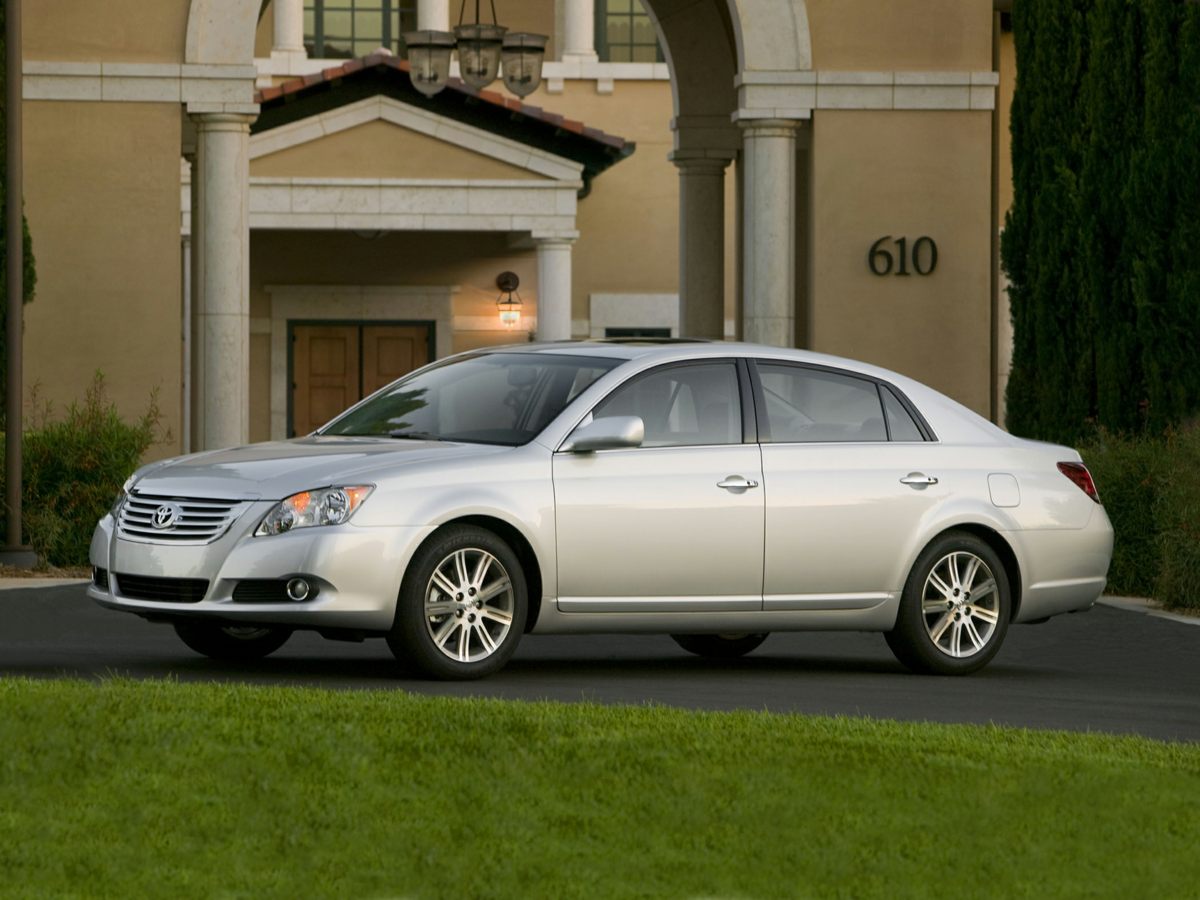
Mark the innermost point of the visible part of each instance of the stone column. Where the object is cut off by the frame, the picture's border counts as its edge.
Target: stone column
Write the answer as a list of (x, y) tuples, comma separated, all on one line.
[(433, 15), (554, 288), (221, 281), (769, 231), (579, 31), (289, 27), (701, 245)]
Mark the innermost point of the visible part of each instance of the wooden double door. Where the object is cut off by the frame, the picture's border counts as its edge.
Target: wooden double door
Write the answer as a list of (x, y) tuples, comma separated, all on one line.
[(335, 364)]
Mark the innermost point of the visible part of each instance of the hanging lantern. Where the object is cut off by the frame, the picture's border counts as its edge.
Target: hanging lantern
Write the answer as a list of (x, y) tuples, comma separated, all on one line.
[(508, 305), (480, 49), (479, 53), (521, 58), (429, 59)]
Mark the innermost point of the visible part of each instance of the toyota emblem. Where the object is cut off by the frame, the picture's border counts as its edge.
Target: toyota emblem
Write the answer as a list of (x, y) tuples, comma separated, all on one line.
[(166, 516)]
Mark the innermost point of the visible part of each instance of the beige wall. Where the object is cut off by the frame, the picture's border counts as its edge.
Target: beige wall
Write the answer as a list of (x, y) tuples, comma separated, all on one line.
[(629, 223), (383, 150), (105, 30), (264, 35), (871, 35), (905, 174), (102, 198)]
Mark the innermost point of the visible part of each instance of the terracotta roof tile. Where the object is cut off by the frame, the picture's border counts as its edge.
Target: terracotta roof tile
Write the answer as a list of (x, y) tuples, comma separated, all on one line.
[(490, 97)]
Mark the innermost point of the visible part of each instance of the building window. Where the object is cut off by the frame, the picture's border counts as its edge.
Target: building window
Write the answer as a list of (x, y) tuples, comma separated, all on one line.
[(344, 29), (624, 32)]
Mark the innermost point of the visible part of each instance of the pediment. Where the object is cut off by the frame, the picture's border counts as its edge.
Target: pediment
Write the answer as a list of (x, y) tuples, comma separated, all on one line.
[(382, 138)]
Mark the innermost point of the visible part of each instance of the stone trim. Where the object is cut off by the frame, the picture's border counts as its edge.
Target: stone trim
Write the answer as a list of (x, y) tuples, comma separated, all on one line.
[(794, 95), (762, 94), (631, 311), (413, 205), (421, 121), (554, 72), (352, 302), (204, 88)]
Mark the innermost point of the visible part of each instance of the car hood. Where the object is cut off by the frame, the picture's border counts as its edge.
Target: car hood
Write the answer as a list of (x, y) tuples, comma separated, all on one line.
[(274, 470)]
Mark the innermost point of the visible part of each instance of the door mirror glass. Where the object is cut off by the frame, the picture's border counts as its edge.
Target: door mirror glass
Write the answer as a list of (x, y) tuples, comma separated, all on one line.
[(608, 433)]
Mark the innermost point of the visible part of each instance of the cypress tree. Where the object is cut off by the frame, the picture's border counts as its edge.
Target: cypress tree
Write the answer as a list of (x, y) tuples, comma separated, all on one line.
[(1101, 245), (1047, 391), (1111, 96)]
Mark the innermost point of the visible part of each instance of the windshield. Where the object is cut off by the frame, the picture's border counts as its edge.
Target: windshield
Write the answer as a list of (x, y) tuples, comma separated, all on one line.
[(495, 398)]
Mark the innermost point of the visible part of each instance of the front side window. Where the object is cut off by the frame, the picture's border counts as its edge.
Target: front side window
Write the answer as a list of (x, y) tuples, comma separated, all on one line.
[(814, 406), (682, 406), (495, 398), (344, 29), (624, 32)]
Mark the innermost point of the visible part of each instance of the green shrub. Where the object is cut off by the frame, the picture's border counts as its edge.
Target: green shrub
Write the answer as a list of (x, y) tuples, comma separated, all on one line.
[(1178, 583), (74, 467), (1128, 474), (1151, 492)]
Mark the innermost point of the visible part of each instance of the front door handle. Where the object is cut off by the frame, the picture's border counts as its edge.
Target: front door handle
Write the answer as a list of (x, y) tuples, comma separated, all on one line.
[(918, 479), (736, 483)]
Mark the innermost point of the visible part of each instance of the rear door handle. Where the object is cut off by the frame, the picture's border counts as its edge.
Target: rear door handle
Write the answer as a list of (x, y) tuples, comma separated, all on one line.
[(919, 479), (736, 483)]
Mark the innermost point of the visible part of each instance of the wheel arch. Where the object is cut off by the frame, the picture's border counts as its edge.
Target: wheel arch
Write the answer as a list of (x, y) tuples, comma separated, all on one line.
[(511, 535), (1001, 547)]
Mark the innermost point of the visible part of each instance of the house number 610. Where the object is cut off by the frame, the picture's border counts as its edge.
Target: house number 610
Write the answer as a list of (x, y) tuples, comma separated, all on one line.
[(924, 257)]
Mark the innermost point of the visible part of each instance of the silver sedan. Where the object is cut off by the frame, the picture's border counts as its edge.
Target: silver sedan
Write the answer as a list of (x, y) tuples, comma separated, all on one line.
[(715, 492)]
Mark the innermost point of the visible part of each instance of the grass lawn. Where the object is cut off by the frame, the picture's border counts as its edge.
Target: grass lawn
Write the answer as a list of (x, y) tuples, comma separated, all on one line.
[(159, 789)]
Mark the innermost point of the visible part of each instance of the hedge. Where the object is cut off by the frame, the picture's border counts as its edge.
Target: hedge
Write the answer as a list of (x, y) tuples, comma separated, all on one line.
[(74, 467), (1151, 492)]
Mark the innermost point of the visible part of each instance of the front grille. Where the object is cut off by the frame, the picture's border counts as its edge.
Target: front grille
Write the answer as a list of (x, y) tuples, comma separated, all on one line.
[(261, 590), (164, 590), (183, 520)]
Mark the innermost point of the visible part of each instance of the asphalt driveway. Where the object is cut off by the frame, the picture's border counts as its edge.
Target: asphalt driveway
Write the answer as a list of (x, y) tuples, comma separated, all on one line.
[(1109, 670)]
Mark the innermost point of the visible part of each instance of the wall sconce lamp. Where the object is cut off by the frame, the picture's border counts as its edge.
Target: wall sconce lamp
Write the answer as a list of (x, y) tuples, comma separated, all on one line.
[(508, 305)]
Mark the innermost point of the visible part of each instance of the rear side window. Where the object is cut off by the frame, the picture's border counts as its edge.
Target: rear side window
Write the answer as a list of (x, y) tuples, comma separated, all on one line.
[(900, 422), (815, 406)]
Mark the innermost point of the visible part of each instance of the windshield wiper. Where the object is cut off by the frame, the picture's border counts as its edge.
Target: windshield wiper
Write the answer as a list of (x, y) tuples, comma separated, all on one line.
[(413, 436)]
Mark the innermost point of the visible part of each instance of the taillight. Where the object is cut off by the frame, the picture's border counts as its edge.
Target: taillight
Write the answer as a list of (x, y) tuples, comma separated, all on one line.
[(1079, 474)]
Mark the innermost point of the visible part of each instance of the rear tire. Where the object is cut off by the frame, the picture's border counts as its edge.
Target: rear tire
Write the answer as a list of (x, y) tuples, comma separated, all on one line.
[(719, 646), (232, 641), (462, 606), (955, 609)]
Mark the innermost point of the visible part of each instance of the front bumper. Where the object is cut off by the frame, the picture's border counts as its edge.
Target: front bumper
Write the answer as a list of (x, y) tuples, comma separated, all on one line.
[(357, 572)]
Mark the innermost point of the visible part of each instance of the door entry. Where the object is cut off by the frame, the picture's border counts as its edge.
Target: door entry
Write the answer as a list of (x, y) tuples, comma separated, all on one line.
[(336, 364)]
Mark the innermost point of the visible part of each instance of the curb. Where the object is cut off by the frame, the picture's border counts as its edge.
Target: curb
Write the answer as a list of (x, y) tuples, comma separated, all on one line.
[(11, 584), (1147, 607)]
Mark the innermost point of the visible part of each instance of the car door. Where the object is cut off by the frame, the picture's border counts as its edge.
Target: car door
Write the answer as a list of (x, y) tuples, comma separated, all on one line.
[(849, 475), (675, 525)]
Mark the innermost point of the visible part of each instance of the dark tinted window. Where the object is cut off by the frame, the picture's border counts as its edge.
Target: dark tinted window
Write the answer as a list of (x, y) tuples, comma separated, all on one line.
[(900, 423), (682, 405), (811, 405)]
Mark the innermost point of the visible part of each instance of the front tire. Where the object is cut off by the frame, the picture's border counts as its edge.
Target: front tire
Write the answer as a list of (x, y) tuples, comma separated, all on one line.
[(955, 609), (462, 606), (239, 642), (719, 646)]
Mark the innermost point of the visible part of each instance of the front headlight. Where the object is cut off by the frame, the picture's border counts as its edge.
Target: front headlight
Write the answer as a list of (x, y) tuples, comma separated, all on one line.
[(323, 506)]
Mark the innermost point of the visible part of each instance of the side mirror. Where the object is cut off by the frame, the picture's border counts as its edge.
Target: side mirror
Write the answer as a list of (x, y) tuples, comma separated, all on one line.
[(609, 433)]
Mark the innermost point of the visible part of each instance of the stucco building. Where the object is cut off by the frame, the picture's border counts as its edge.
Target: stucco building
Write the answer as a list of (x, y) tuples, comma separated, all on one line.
[(249, 206)]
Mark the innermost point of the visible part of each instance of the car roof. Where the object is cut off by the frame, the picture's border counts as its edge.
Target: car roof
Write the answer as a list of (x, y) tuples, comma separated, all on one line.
[(667, 349), (948, 417)]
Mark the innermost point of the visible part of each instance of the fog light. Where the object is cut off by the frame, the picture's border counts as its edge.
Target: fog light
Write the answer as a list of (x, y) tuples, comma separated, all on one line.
[(298, 589)]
